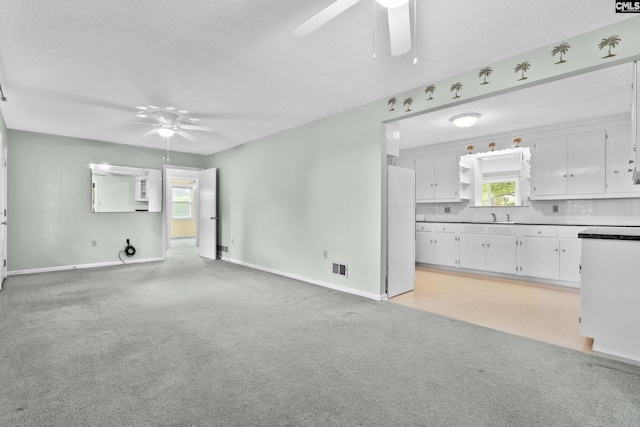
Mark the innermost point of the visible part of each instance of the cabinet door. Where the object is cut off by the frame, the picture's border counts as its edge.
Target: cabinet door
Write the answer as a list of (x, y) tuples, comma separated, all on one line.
[(620, 161), (501, 254), (472, 251), (425, 184), (424, 247), (447, 176), (540, 257), (570, 250), (585, 162), (549, 166), (445, 249)]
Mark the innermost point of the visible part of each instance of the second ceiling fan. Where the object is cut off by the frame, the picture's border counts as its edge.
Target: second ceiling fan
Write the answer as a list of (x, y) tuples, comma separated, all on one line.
[(398, 15)]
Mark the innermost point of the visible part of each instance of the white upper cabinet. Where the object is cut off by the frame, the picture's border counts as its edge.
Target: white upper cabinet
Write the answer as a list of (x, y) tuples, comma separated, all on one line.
[(568, 166), (437, 177), (586, 162), (620, 161)]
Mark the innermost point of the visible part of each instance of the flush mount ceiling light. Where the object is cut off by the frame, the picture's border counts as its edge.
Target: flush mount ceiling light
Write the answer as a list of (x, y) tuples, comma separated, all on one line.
[(465, 120)]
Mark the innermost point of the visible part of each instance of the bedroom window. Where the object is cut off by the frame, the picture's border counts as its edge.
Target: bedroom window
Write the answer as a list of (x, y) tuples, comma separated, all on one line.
[(182, 201)]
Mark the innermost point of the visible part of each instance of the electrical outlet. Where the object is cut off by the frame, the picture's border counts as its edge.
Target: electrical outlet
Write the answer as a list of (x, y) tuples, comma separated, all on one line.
[(325, 254), (447, 209), (555, 208), (94, 243)]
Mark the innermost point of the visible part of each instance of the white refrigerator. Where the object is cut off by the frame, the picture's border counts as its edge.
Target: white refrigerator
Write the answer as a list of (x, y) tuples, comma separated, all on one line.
[(401, 230)]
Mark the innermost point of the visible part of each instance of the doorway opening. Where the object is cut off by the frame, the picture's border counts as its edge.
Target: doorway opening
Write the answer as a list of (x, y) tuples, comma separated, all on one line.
[(184, 211)]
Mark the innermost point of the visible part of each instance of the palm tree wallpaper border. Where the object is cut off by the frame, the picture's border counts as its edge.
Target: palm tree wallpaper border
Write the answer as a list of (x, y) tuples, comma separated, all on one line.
[(456, 87), (392, 102), (429, 91), (562, 49), (408, 103), (523, 67), (610, 43), (485, 72)]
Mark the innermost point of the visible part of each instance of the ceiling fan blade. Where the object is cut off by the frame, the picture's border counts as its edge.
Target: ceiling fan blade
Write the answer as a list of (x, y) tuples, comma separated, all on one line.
[(151, 132), (194, 127), (186, 135), (322, 17), (399, 29)]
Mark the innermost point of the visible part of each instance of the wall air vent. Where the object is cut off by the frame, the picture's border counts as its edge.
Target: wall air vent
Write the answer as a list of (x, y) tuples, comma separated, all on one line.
[(340, 269)]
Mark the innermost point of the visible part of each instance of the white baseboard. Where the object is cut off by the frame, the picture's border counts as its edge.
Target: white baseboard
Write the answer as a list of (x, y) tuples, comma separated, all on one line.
[(80, 266), (312, 281)]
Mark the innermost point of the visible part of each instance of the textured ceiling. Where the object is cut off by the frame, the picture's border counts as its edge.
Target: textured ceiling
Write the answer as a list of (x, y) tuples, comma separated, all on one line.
[(79, 67)]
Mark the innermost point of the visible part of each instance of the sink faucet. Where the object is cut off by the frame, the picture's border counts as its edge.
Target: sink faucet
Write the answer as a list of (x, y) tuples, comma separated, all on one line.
[(494, 217)]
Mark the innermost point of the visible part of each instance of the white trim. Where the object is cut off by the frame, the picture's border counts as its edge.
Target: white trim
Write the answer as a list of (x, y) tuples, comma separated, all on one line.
[(344, 289), (80, 266)]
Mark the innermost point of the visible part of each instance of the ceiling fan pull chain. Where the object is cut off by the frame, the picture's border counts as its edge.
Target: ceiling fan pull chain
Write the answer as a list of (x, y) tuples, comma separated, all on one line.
[(415, 33), (373, 35)]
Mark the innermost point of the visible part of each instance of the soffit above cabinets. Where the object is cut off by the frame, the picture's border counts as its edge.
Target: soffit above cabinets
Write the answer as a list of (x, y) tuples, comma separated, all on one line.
[(601, 93)]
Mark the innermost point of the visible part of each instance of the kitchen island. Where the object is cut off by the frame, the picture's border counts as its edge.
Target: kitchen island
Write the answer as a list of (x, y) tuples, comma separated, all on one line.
[(610, 290)]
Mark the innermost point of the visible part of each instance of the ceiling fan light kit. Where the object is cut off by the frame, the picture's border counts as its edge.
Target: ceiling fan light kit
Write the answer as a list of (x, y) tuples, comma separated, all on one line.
[(168, 123), (166, 132)]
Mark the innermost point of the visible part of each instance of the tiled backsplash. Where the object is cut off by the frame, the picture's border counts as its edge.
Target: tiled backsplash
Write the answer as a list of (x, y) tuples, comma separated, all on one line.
[(588, 212)]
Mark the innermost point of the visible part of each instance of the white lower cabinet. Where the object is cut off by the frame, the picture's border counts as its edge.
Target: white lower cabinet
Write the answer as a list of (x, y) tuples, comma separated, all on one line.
[(570, 251), (445, 245), (539, 257), (546, 252), (473, 253), (501, 254), (490, 248), (424, 243)]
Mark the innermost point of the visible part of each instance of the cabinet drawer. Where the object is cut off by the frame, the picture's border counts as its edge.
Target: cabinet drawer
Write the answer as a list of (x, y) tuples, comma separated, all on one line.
[(539, 231), (501, 230), (421, 226), (445, 228), (473, 229)]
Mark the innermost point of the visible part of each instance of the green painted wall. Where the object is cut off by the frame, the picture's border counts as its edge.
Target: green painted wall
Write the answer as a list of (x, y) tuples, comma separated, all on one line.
[(49, 199), (285, 199)]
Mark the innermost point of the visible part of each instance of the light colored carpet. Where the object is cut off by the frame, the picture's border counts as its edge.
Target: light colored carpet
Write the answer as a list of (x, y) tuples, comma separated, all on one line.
[(193, 342)]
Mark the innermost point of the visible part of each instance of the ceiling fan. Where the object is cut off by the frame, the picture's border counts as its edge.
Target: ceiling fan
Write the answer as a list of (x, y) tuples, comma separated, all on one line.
[(169, 123), (398, 15)]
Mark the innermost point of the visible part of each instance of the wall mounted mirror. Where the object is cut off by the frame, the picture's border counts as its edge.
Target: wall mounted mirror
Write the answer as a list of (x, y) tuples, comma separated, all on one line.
[(125, 189)]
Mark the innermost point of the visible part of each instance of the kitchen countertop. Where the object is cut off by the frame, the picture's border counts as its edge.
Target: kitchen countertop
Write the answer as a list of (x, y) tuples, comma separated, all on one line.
[(614, 233), (527, 223)]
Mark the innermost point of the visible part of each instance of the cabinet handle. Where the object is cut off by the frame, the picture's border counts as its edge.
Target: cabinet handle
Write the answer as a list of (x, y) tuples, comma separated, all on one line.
[(563, 250), (631, 162), (564, 176), (556, 250), (630, 170), (616, 172), (571, 175)]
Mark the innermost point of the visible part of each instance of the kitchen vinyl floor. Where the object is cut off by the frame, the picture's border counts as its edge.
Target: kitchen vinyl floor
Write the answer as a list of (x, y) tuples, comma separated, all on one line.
[(541, 312)]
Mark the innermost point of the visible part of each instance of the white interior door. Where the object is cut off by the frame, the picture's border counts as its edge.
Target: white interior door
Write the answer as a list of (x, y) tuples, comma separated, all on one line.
[(401, 217), (3, 211), (207, 214)]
